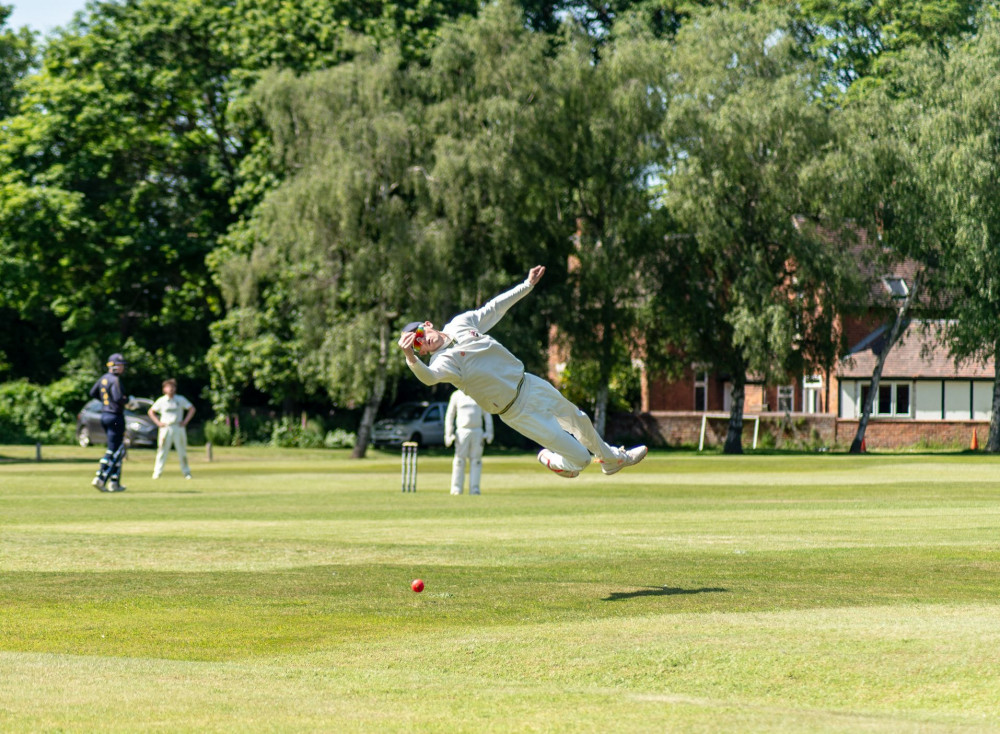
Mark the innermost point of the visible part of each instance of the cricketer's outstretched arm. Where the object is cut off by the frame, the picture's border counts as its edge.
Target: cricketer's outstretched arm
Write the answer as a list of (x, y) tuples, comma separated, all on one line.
[(487, 315), (444, 369)]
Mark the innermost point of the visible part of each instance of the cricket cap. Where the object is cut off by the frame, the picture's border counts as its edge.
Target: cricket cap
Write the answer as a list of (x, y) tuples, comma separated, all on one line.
[(116, 358), (412, 326)]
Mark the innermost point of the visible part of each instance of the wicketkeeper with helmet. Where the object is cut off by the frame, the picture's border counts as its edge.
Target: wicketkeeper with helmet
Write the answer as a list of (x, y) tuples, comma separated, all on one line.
[(108, 389), (481, 367)]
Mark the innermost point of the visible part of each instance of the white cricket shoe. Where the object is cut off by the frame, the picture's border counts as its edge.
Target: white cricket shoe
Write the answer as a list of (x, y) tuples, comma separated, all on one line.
[(631, 457), (114, 486), (545, 459), (98, 484)]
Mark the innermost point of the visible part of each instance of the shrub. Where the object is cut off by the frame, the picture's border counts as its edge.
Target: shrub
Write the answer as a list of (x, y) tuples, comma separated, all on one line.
[(289, 433), (340, 439), (30, 412), (285, 432), (218, 433)]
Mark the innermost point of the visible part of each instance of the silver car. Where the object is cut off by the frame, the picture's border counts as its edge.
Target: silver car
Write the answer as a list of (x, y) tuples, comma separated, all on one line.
[(422, 423), (139, 429)]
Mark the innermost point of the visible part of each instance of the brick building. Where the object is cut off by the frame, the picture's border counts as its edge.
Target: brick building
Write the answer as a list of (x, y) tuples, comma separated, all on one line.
[(924, 396)]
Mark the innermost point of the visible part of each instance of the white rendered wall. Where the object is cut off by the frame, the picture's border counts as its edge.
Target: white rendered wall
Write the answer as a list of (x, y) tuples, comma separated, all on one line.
[(982, 400), (927, 401), (956, 400), (848, 401)]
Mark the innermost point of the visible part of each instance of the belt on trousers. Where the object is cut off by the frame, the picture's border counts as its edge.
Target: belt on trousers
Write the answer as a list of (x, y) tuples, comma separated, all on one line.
[(516, 394)]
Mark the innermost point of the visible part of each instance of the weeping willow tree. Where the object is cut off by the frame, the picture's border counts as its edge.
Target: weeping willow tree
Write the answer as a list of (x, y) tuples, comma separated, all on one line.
[(335, 254), (964, 138)]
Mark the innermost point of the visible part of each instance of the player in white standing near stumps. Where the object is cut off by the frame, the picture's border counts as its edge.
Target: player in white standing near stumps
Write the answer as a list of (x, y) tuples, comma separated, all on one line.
[(464, 356), (467, 426), (175, 412)]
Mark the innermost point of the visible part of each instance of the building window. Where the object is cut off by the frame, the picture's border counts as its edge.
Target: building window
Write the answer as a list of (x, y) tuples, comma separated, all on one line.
[(902, 400), (893, 399), (812, 387), (701, 391), (884, 400), (786, 398)]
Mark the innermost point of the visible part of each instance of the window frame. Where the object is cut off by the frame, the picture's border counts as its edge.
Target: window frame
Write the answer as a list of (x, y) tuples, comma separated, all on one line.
[(786, 392), (812, 394), (701, 383), (893, 386)]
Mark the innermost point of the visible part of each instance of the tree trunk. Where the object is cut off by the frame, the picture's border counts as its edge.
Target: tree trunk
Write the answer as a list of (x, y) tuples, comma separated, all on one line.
[(601, 409), (894, 333), (734, 436), (375, 398), (993, 442), (866, 409), (606, 360)]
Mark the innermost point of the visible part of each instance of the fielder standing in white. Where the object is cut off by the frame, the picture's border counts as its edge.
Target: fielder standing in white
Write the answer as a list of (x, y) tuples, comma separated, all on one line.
[(464, 356), (467, 426), (175, 412)]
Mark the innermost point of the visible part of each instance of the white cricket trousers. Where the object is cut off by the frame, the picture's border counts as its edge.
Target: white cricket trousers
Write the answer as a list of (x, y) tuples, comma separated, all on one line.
[(468, 450), (176, 436), (542, 414)]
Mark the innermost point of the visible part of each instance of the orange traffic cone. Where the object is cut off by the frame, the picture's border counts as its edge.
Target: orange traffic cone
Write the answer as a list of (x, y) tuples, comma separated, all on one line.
[(864, 449), (975, 440)]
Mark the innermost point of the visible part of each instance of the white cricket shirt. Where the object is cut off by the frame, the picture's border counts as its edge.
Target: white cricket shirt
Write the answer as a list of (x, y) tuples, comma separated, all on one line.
[(475, 363), (171, 410)]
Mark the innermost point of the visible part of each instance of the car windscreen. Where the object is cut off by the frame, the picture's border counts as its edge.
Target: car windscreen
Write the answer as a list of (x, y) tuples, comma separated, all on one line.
[(406, 413), (139, 407)]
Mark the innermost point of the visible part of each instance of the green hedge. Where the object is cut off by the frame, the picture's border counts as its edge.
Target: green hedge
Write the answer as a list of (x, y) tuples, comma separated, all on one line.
[(285, 432), (30, 413)]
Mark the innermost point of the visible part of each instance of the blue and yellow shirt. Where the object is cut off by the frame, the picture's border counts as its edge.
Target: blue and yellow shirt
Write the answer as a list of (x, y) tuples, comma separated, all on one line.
[(109, 391)]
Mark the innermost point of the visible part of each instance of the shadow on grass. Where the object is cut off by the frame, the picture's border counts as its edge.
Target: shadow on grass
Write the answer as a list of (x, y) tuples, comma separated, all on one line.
[(716, 451), (661, 591)]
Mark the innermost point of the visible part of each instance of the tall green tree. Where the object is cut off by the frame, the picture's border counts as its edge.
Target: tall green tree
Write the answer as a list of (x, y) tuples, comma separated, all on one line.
[(117, 171), (487, 86), (964, 137), (133, 149), (859, 40), (18, 54), (346, 238), (883, 182), (745, 130), (598, 19), (604, 139), (545, 155)]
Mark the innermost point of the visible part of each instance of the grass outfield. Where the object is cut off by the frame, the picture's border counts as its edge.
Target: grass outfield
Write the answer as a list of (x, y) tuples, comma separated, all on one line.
[(691, 593)]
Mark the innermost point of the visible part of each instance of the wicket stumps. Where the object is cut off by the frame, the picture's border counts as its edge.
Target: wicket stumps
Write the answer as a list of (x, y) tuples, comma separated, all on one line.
[(410, 466)]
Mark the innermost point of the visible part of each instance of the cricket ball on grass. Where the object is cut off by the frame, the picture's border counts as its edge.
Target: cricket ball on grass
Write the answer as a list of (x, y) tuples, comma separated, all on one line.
[(417, 585)]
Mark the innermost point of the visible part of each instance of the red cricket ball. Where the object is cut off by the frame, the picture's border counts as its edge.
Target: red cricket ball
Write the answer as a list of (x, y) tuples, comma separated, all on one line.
[(417, 585)]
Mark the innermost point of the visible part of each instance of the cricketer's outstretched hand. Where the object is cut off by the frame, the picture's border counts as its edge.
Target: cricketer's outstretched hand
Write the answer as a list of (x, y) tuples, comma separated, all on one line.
[(406, 342)]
